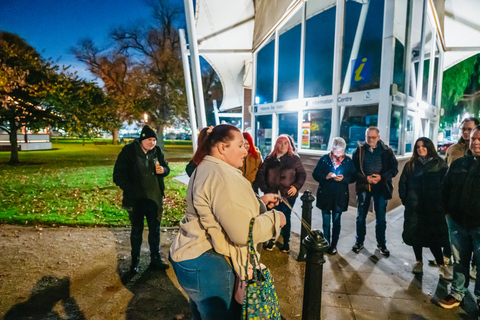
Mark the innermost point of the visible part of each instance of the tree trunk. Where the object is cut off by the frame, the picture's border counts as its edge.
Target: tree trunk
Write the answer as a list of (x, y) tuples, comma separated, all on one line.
[(160, 142), (13, 143), (115, 136)]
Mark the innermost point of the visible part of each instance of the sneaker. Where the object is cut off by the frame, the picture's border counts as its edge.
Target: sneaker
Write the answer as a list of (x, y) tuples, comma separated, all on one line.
[(157, 263), (357, 247), (332, 251), (384, 251), (286, 248), (418, 267), (269, 245), (134, 267), (445, 273), (449, 302)]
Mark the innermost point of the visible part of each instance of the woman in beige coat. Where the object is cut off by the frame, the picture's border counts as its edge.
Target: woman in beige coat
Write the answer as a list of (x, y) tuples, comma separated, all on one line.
[(220, 205), (253, 160)]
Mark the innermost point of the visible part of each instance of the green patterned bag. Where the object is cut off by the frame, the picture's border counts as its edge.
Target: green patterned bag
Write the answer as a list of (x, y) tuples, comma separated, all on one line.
[(261, 301)]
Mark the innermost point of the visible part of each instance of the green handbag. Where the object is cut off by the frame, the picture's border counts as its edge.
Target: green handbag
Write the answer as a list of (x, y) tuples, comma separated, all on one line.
[(261, 301)]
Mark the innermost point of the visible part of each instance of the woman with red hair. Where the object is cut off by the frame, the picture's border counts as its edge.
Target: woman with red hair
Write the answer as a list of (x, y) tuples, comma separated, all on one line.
[(282, 171), (253, 159)]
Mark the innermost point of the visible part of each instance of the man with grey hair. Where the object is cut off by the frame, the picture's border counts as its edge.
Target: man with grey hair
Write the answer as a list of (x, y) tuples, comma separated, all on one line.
[(375, 166), (460, 148)]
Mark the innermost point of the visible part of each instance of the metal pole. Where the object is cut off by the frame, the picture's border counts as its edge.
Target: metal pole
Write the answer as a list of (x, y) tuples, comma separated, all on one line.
[(188, 87), (312, 290), (307, 200), (197, 74)]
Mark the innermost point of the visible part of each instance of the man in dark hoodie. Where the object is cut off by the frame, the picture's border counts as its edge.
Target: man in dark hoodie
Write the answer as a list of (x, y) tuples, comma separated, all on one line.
[(460, 195), (139, 172), (375, 166)]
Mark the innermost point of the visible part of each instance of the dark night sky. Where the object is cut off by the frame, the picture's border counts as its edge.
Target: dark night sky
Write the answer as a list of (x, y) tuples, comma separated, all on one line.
[(54, 26)]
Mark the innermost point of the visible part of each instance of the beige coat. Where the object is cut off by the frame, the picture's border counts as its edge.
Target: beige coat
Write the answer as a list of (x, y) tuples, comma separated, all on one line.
[(455, 151), (224, 203), (250, 166)]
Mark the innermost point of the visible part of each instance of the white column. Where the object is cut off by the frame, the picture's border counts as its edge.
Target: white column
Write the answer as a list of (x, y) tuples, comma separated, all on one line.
[(197, 74), (386, 71), (422, 54), (188, 87)]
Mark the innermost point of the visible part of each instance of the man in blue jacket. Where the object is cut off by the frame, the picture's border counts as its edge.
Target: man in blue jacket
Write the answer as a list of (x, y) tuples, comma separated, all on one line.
[(139, 172), (375, 166)]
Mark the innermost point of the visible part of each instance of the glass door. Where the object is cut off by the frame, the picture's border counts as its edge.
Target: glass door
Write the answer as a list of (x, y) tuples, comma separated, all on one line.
[(263, 136)]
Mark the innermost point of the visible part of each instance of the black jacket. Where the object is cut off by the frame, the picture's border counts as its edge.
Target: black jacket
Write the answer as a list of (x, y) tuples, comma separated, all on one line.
[(126, 174), (420, 191), (389, 169), (461, 191), (331, 194), (280, 174)]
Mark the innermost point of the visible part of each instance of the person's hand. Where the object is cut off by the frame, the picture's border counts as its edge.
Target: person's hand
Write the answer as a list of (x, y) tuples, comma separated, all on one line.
[(331, 175), (292, 191), (159, 169), (338, 177), (283, 220), (376, 178), (271, 200)]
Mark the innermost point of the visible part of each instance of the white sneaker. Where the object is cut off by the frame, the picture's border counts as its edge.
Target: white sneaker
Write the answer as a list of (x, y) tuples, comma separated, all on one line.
[(445, 273), (418, 267)]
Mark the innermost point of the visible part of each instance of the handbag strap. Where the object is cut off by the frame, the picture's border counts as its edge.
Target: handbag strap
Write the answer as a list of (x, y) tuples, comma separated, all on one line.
[(252, 253)]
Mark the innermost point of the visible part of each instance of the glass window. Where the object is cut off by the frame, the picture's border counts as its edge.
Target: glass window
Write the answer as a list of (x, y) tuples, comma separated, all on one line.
[(263, 137), (265, 68), (355, 122), (435, 76), (399, 29), (234, 121), (396, 123), (288, 124), (417, 18), (316, 126), (365, 64), (289, 58), (410, 133), (319, 52)]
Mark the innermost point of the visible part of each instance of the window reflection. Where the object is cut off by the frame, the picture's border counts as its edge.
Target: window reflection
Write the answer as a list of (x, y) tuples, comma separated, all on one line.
[(288, 124), (355, 122), (396, 121), (265, 68), (263, 137), (316, 126)]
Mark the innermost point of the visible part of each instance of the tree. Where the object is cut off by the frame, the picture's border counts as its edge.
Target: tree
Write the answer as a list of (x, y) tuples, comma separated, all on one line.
[(85, 109), (25, 82)]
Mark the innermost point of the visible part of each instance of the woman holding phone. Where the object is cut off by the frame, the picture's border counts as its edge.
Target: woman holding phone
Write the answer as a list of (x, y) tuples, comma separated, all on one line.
[(334, 171)]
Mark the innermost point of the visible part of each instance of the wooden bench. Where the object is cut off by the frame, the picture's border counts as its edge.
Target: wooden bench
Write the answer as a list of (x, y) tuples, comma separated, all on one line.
[(100, 143)]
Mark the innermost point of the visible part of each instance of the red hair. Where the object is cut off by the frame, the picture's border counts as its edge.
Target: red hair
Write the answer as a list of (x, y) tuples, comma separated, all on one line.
[(207, 140), (282, 137), (252, 150)]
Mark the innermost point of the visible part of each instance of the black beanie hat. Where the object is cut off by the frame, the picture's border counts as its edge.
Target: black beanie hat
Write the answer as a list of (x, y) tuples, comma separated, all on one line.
[(147, 132)]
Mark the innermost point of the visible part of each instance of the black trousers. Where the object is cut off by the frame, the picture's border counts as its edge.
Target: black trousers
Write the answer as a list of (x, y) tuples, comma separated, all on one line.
[(153, 213)]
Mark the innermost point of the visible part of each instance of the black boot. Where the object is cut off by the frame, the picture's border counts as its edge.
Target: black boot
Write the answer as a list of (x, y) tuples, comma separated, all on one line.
[(157, 263), (134, 266)]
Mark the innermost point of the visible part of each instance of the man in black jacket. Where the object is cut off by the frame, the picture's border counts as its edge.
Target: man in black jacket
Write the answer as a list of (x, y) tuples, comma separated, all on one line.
[(139, 172), (460, 195), (375, 166)]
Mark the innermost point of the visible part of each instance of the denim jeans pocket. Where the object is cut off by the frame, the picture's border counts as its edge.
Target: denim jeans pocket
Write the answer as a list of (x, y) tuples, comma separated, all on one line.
[(188, 278)]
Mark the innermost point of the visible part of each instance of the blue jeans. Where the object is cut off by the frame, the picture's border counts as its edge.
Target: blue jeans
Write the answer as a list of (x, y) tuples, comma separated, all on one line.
[(380, 206), (464, 242), (285, 232), (335, 218), (209, 282)]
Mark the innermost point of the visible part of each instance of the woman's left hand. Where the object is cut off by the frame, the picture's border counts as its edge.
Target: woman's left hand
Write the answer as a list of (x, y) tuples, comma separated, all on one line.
[(292, 191), (271, 200)]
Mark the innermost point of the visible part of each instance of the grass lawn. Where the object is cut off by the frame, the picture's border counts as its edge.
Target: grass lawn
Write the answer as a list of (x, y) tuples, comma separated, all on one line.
[(72, 185)]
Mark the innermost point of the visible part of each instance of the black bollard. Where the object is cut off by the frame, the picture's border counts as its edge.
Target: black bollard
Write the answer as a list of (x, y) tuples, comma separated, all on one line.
[(307, 200), (316, 246)]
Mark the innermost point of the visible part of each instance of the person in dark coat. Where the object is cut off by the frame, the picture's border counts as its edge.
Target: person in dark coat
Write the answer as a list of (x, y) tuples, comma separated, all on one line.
[(191, 166), (419, 189), (461, 200), (282, 171), (334, 171), (375, 166), (139, 172)]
